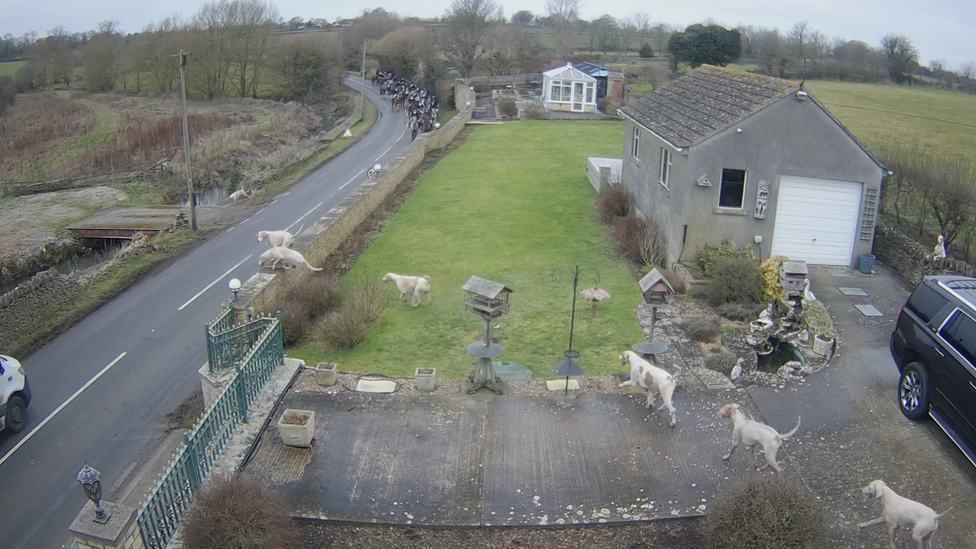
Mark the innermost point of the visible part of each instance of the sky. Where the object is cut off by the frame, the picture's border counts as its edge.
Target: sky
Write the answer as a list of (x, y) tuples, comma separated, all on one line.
[(940, 29)]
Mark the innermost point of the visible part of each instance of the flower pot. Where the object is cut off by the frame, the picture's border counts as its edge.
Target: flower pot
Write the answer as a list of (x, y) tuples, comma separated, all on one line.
[(423, 379), (325, 373), (822, 344), (297, 427)]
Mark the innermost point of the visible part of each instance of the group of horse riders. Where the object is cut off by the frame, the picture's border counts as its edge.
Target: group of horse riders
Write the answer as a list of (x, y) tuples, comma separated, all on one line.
[(419, 103)]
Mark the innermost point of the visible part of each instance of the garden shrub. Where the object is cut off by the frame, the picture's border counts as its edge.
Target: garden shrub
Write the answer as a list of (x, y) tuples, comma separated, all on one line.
[(508, 108), (629, 235), (361, 306), (736, 280), (765, 512), (295, 322), (676, 279), (710, 255), (305, 303), (480, 87), (238, 512), (740, 311), (608, 106), (645, 51), (815, 319), (534, 110), (721, 362), (772, 284), (614, 203), (701, 329)]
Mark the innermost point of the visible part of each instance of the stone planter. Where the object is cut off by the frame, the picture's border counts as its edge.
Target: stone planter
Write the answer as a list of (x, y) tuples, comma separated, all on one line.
[(297, 427), (325, 373), (423, 379), (822, 344)]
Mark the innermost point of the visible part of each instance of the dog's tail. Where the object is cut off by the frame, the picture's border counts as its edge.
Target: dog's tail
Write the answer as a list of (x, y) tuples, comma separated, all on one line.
[(309, 265), (793, 432), (425, 277), (944, 513)]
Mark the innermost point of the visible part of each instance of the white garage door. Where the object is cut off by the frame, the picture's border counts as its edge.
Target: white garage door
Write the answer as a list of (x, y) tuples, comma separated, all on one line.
[(816, 220)]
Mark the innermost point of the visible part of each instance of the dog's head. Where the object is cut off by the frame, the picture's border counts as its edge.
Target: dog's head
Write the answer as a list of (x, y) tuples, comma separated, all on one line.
[(624, 358), (262, 236), (729, 410), (388, 277), (873, 489)]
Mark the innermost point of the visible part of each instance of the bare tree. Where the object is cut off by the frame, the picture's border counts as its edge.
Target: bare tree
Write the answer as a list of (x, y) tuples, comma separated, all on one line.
[(57, 57), (402, 50), (604, 34), (562, 15), (213, 51), (642, 23), (160, 41), (251, 24), (901, 57), (101, 59), (468, 26)]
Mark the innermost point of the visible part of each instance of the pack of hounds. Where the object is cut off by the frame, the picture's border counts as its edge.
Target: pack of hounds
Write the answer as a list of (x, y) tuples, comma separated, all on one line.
[(896, 510), (419, 103)]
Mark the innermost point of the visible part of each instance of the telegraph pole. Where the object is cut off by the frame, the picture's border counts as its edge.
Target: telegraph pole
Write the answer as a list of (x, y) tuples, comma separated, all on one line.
[(362, 83), (186, 143)]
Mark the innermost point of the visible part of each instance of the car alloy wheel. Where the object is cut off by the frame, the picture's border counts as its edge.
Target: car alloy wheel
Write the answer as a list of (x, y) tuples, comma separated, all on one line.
[(910, 391)]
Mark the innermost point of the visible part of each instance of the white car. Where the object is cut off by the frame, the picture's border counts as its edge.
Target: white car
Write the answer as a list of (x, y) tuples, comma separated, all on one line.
[(15, 394)]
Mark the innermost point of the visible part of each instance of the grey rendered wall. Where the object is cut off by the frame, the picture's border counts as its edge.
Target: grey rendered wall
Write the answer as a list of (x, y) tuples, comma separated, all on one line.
[(789, 137), (663, 206)]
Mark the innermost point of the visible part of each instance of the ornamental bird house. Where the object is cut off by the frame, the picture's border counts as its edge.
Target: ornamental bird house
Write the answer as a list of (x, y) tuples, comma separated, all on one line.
[(656, 289), (486, 298)]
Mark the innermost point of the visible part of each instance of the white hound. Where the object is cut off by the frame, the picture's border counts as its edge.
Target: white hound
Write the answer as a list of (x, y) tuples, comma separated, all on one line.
[(650, 378), (416, 286), (239, 194), (277, 238), (286, 258), (900, 511), (750, 433)]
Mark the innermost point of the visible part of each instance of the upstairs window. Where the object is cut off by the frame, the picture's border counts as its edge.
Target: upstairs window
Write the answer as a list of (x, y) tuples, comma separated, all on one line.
[(665, 177), (635, 145), (733, 189)]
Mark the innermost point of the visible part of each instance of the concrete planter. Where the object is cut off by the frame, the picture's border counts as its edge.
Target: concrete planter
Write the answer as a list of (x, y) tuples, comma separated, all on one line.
[(423, 379), (822, 344), (325, 373), (297, 427)]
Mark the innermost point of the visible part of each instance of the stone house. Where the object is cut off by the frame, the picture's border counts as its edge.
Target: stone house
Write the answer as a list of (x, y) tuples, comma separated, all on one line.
[(721, 154)]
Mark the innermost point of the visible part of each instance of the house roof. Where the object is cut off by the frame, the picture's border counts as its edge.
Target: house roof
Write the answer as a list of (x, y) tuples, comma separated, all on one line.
[(596, 71), (567, 72), (704, 102)]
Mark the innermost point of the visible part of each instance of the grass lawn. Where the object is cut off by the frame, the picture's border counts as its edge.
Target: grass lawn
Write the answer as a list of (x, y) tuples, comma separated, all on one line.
[(10, 68), (512, 205), (885, 114)]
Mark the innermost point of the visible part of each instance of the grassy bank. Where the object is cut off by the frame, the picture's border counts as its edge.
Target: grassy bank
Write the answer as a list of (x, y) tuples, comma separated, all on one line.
[(512, 205)]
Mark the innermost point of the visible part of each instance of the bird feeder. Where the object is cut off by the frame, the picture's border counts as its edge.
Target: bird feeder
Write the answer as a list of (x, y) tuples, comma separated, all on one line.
[(656, 291), (791, 276), (489, 300), (594, 296)]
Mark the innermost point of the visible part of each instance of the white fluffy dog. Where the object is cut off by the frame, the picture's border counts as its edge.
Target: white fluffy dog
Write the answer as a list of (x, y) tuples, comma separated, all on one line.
[(900, 511), (286, 258), (650, 378), (416, 286), (277, 238)]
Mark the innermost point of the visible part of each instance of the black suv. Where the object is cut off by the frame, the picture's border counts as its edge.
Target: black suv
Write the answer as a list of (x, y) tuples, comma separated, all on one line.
[(934, 346)]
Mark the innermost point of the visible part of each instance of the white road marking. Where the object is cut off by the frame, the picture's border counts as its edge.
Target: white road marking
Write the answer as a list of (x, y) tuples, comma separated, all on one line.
[(288, 228), (230, 229), (257, 212), (384, 153), (351, 180), (61, 407), (214, 282), (404, 132)]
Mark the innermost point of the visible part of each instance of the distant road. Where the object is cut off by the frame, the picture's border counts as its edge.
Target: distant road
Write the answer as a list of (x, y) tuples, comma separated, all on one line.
[(101, 391)]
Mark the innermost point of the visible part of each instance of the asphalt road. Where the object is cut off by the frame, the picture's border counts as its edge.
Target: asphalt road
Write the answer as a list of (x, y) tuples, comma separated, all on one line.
[(101, 390)]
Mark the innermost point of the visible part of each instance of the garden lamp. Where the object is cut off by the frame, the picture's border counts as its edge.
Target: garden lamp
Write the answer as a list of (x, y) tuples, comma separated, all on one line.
[(89, 479), (235, 286)]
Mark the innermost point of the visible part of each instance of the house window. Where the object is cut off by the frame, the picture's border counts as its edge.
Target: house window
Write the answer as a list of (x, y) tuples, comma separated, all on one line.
[(635, 146), (665, 177), (589, 93), (733, 189), (554, 91), (567, 92)]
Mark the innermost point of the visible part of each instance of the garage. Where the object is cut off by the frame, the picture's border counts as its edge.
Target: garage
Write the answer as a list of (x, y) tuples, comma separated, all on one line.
[(816, 220)]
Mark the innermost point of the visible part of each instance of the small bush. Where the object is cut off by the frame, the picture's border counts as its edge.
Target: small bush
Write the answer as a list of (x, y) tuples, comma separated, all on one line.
[(765, 512), (677, 280), (305, 303), (721, 362), (614, 203), (607, 106), (508, 108), (238, 513), (295, 322), (736, 280), (348, 326), (709, 256), (535, 111), (740, 311), (701, 329), (628, 236), (772, 284), (480, 87), (645, 51), (815, 319)]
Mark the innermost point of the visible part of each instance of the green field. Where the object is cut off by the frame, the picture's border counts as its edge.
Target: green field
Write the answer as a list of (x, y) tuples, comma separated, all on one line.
[(881, 115), (10, 68), (512, 205)]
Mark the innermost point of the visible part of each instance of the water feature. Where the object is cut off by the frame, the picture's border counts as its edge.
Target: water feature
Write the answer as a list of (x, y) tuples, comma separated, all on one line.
[(780, 355), (212, 196)]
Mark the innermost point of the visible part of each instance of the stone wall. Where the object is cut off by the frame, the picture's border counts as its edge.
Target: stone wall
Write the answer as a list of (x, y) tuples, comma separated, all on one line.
[(33, 300), (263, 292), (911, 260)]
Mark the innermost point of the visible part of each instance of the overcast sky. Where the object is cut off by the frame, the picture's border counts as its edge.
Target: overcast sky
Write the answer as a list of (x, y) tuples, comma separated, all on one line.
[(939, 29)]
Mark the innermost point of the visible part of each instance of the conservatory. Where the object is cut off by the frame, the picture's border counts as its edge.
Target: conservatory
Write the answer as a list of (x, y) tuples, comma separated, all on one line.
[(568, 89)]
